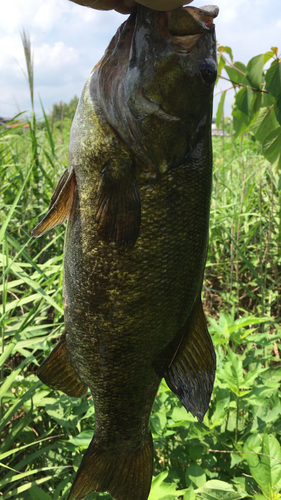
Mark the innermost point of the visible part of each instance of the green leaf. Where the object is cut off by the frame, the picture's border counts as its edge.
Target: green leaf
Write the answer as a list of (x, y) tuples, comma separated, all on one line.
[(158, 421), (20, 448), (28, 473), (264, 123), (237, 73), (195, 475), (226, 49), (256, 103), (272, 145), (196, 452), (267, 100), (218, 490), (189, 494), (241, 121), (83, 439), (20, 273), (7, 352), (160, 489), (235, 459), (13, 207), (14, 408), (221, 64), (25, 487), (220, 109), (254, 71), (10, 379), (251, 377), (38, 494), (244, 99), (273, 85), (266, 468), (273, 79), (219, 414), (236, 368)]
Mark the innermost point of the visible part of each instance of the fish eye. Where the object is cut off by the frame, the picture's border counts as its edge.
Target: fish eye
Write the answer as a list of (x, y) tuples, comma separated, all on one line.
[(208, 70)]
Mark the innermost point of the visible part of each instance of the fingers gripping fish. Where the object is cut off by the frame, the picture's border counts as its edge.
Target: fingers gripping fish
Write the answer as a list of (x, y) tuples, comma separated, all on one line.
[(136, 195)]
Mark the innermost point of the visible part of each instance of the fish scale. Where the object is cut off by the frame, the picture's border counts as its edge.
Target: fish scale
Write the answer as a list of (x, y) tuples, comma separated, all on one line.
[(136, 195)]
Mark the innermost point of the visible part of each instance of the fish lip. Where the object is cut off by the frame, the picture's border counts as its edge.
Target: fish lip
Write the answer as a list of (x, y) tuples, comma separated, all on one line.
[(190, 21), (188, 24)]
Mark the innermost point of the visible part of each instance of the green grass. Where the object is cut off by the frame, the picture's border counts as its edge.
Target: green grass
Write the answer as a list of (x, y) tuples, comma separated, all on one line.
[(236, 452)]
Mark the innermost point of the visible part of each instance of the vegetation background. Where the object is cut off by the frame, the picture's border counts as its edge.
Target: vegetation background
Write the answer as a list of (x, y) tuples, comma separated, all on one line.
[(236, 452)]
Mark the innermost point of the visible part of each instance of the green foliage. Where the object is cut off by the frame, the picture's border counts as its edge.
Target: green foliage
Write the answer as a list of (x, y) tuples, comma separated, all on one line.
[(236, 452), (62, 114), (257, 104)]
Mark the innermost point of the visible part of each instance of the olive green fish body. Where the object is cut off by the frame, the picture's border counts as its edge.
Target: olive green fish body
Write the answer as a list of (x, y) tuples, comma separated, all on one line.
[(137, 199)]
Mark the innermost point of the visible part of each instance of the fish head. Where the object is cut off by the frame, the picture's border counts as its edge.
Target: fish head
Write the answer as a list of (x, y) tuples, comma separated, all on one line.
[(155, 82)]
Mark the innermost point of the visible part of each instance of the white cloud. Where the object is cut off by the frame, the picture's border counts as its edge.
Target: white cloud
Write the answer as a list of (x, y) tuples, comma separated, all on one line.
[(47, 14), (55, 58)]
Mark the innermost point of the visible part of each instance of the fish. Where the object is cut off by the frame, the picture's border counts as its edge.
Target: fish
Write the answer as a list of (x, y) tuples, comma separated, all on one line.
[(136, 197)]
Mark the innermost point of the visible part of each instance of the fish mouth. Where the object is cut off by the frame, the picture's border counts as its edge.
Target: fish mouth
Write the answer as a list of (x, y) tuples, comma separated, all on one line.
[(187, 21), (187, 25)]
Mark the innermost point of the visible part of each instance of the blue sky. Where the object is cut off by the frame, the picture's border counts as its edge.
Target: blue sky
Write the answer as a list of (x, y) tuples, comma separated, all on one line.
[(68, 40)]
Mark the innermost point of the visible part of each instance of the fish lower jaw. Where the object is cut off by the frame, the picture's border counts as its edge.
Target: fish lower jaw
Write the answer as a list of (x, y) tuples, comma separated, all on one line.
[(185, 43)]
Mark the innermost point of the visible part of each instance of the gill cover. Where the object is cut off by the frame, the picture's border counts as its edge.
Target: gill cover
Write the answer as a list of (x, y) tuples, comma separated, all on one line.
[(147, 87)]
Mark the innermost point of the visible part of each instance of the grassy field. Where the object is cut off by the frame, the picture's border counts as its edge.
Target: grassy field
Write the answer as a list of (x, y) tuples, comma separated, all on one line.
[(236, 452)]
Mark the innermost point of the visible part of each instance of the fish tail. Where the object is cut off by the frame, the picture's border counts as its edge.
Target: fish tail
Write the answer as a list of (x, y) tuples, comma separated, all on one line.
[(125, 475)]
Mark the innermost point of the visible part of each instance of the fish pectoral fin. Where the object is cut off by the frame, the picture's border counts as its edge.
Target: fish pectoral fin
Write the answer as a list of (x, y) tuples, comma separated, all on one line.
[(61, 205), (57, 372), (191, 374), (126, 476), (118, 212), (62, 180)]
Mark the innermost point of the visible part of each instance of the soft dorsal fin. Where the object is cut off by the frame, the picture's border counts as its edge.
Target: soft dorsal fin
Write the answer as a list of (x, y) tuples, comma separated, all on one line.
[(61, 204)]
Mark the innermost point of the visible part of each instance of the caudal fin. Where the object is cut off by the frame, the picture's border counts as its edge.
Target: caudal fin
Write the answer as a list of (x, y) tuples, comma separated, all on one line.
[(125, 475)]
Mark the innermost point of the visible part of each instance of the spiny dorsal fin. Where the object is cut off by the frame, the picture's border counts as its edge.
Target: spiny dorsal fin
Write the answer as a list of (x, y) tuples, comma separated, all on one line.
[(191, 374), (57, 372), (118, 213), (61, 205)]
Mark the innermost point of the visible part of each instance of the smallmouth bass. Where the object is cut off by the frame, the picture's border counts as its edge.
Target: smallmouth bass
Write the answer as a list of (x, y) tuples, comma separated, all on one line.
[(136, 195)]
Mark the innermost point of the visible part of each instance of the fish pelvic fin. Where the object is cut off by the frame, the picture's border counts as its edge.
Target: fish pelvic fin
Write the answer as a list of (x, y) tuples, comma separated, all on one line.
[(125, 475), (191, 373), (61, 205), (118, 212), (57, 372)]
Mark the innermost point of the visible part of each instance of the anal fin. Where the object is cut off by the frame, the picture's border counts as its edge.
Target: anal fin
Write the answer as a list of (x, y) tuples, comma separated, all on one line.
[(61, 204), (57, 372), (191, 373), (126, 474)]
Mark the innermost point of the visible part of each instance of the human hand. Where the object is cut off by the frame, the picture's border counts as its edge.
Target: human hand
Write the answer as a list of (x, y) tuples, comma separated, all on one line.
[(126, 6)]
